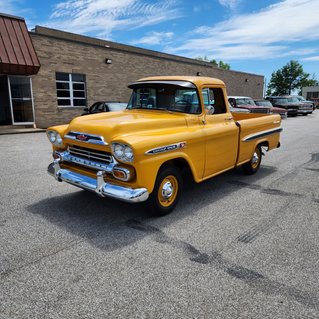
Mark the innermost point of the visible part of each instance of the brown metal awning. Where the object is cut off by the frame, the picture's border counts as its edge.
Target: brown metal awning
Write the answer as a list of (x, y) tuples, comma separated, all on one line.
[(17, 54)]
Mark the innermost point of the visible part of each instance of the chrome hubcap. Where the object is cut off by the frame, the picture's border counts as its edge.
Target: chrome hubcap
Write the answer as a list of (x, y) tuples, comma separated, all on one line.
[(167, 190), (255, 158)]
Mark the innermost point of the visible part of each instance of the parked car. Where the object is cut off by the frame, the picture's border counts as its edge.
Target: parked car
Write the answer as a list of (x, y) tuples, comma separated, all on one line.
[(303, 100), (282, 102), (277, 110), (245, 102), (237, 109), (104, 106), (303, 108)]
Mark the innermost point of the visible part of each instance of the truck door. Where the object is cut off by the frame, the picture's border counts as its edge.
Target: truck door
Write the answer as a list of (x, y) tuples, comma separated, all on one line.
[(221, 133)]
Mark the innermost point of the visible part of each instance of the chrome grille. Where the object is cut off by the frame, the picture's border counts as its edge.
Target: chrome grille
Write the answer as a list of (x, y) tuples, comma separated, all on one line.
[(89, 154)]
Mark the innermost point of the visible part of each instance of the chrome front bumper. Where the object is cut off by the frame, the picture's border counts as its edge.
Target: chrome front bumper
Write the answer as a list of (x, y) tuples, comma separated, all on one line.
[(306, 111), (97, 185)]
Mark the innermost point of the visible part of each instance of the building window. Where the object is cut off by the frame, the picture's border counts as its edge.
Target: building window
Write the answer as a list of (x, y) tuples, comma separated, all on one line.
[(70, 89)]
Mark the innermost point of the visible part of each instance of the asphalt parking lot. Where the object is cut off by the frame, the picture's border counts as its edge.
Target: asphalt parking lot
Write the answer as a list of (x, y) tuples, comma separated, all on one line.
[(237, 246)]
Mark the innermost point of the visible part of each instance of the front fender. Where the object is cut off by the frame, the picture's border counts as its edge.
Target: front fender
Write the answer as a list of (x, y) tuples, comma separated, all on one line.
[(148, 168)]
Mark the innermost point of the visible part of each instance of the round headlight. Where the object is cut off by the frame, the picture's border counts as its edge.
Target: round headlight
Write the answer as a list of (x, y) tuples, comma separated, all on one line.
[(58, 139), (52, 138), (123, 152), (119, 150), (55, 138), (128, 152)]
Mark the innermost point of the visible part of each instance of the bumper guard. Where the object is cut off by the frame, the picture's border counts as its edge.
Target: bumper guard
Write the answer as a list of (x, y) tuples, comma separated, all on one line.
[(97, 185)]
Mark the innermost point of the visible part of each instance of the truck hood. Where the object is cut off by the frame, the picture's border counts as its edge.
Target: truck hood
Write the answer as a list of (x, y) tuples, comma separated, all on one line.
[(287, 105), (249, 106), (113, 125)]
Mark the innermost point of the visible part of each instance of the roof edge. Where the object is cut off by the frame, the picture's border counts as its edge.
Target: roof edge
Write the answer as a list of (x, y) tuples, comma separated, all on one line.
[(11, 16)]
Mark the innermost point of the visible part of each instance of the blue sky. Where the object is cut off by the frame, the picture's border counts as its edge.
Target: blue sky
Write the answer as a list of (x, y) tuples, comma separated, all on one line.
[(252, 36)]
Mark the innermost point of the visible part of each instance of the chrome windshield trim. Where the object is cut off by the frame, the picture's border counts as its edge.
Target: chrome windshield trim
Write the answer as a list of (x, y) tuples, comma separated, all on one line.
[(182, 83), (261, 134), (92, 139)]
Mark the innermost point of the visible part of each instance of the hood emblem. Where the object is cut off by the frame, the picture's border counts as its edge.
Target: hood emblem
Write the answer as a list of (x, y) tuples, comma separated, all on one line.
[(82, 137), (86, 138)]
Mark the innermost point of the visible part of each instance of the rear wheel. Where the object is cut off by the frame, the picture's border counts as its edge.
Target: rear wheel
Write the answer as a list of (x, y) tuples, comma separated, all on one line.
[(252, 166), (166, 191)]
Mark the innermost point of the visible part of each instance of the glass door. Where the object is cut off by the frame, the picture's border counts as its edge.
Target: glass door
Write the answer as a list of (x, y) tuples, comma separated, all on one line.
[(22, 110), (5, 108)]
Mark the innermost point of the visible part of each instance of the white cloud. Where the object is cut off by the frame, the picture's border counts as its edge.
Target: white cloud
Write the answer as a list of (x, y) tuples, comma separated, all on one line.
[(14, 7), (101, 17), (232, 4), (312, 59), (8, 6), (265, 34), (154, 38)]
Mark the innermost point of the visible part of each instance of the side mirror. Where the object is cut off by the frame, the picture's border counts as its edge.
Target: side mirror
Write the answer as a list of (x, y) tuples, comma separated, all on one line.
[(210, 110), (86, 109)]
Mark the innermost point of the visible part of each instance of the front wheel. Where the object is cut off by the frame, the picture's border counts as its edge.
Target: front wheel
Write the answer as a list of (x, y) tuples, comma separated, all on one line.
[(166, 191), (252, 166)]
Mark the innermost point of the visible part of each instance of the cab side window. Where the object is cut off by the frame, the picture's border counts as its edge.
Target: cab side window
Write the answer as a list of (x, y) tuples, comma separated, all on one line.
[(214, 101)]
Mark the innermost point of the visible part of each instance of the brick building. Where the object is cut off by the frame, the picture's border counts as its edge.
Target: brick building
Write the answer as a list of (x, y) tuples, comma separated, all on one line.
[(78, 70)]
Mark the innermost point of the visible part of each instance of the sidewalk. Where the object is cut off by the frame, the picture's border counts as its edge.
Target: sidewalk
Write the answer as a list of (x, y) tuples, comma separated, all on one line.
[(5, 131)]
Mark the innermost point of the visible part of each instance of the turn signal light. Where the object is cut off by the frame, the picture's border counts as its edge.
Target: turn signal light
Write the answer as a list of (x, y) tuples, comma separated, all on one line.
[(123, 173), (119, 174)]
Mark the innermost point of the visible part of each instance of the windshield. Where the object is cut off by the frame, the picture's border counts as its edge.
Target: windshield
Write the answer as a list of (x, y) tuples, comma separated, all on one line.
[(165, 97), (301, 98), (117, 106), (293, 100), (263, 103), (281, 101), (97, 107), (245, 101)]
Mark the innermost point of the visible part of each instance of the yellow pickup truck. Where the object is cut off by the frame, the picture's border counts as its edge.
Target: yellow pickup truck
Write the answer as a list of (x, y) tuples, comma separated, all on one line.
[(172, 124)]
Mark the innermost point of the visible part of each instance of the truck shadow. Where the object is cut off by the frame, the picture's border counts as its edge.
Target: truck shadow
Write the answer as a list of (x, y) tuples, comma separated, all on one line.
[(103, 222), (110, 225)]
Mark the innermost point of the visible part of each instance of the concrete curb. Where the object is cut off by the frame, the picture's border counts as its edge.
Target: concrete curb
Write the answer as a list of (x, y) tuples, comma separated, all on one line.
[(21, 131)]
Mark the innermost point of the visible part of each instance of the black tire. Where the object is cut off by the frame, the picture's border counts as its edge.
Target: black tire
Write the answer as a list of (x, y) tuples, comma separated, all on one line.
[(253, 165), (305, 114), (166, 192)]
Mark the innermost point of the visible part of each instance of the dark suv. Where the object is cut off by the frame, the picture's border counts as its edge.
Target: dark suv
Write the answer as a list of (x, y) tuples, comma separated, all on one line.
[(301, 99), (291, 104), (305, 108)]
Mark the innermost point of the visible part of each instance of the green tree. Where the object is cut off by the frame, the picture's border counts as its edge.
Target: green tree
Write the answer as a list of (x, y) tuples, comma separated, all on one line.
[(223, 65), (289, 78), (309, 82), (220, 64)]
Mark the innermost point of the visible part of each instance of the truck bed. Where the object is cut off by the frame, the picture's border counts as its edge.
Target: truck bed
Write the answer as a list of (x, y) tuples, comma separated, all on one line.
[(256, 129)]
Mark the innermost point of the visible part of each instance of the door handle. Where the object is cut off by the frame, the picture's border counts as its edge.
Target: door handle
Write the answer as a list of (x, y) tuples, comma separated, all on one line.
[(228, 118)]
